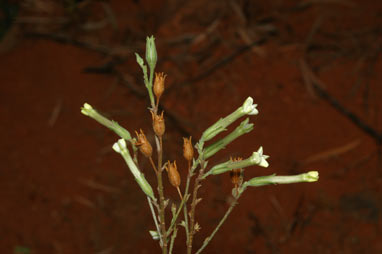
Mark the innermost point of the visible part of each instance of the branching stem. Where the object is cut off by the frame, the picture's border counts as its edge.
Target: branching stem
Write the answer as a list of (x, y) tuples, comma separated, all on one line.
[(209, 238), (155, 220), (192, 230), (161, 196)]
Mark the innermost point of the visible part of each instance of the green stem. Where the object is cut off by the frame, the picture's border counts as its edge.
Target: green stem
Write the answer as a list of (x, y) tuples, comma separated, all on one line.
[(150, 89), (161, 197), (186, 193), (173, 240), (193, 206), (209, 238), (173, 221), (155, 219)]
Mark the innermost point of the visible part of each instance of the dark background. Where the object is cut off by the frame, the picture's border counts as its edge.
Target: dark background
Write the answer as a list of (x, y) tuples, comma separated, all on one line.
[(313, 68)]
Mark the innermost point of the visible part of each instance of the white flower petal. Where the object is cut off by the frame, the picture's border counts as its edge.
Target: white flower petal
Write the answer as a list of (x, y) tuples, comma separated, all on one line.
[(118, 145), (87, 106), (263, 162), (249, 108)]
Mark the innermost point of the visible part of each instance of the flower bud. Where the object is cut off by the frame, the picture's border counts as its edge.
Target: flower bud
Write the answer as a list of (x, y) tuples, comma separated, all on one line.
[(188, 150), (120, 147), (311, 176), (143, 144), (88, 110), (242, 129), (151, 52), (173, 174), (159, 84), (158, 124)]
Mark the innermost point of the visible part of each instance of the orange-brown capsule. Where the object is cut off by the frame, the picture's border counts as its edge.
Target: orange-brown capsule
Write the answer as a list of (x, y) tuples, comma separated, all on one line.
[(159, 84), (236, 174), (143, 144), (158, 124), (188, 150), (173, 174)]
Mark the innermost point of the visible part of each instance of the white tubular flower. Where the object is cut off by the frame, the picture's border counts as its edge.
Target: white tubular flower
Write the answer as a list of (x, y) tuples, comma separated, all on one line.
[(120, 144), (311, 176), (259, 158), (249, 108), (86, 109), (120, 147)]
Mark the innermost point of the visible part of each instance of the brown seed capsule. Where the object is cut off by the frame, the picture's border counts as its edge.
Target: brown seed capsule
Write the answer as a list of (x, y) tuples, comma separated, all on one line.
[(188, 150), (159, 84), (158, 124), (173, 174), (143, 144), (236, 174)]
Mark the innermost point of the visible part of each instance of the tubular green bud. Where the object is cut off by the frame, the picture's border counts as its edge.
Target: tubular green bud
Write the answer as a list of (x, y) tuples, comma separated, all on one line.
[(311, 176), (248, 108), (120, 147), (151, 52), (243, 128), (88, 110), (257, 158)]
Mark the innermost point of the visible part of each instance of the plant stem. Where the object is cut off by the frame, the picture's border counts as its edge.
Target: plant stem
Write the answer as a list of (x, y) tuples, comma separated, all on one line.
[(161, 196), (153, 165), (155, 220), (186, 193), (172, 240), (151, 95), (209, 238), (173, 221), (193, 206)]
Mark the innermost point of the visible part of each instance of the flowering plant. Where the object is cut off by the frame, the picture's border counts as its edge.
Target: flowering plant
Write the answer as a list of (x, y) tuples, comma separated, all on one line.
[(127, 146)]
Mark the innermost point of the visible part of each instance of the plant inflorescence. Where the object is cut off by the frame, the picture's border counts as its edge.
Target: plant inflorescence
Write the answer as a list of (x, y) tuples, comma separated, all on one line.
[(127, 146)]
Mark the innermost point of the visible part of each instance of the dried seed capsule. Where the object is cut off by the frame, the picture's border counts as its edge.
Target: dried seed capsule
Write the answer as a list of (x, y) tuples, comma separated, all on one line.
[(236, 174), (158, 124), (159, 84), (173, 174), (188, 150), (143, 144)]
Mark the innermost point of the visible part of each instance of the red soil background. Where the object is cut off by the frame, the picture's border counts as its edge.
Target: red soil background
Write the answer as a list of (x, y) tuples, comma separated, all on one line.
[(63, 189)]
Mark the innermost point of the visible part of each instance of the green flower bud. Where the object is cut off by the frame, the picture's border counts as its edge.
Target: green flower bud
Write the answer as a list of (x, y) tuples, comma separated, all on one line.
[(88, 110), (311, 176), (243, 128), (120, 147), (257, 158), (248, 108), (151, 52)]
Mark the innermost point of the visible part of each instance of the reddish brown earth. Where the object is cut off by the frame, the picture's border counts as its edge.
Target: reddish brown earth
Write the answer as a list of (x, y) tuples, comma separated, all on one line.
[(63, 189)]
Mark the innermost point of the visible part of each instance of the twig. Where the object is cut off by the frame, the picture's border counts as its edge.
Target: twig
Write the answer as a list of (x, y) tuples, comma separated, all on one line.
[(63, 38), (98, 186), (173, 221), (161, 195), (153, 165), (221, 63), (209, 238), (155, 220), (332, 152), (195, 201), (172, 240), (347, 113), (55, 113)]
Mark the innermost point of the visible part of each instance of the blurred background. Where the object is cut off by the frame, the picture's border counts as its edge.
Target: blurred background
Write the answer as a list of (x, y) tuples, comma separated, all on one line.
[(313, 67)]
